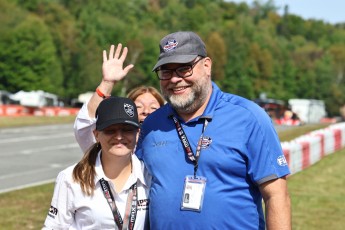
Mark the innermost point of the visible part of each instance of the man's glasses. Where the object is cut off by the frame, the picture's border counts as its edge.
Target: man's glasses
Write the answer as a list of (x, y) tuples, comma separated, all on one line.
[(182, 71)]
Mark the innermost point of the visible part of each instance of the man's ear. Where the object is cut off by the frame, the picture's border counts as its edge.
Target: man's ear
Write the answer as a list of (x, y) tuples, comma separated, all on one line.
[(208, 65)]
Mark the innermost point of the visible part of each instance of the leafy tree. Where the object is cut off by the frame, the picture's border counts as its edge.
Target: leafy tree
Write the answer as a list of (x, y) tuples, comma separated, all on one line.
[(217, 51), (29, 61), (291, 25), (63, 29), (337, 51), (56, 45)]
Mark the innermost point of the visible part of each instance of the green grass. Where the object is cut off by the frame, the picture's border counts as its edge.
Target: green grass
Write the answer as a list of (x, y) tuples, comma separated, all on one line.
[(317, 193), (26, 208), (289, 134), (6, 122)]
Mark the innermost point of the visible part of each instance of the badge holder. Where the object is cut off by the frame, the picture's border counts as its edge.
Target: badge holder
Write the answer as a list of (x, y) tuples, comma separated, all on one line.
[(193, 193)]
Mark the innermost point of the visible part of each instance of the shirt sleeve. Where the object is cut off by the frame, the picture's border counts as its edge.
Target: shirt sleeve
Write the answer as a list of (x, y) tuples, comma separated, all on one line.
[(61, 213), (83, 128), (265, 158)]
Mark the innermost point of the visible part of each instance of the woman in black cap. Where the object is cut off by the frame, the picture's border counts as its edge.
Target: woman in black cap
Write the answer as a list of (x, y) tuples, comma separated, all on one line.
[(108, 188)]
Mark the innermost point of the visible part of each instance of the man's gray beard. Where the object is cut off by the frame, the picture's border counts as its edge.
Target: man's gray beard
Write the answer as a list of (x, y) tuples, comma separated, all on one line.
[(188, 104), (185, 105)]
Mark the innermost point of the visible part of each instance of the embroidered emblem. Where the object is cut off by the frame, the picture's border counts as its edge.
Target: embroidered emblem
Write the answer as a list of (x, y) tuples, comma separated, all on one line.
[(205, 142), (160, 144), (281, 160), (52, 212), (144, 202), (129, 109), (170, 45)]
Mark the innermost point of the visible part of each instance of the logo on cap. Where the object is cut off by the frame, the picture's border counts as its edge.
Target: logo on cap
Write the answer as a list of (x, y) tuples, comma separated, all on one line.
[(129, 109), (170, 45)]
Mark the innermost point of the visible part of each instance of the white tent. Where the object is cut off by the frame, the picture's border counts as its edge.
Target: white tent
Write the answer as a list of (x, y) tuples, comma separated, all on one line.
[(308, 110), (37, 98)]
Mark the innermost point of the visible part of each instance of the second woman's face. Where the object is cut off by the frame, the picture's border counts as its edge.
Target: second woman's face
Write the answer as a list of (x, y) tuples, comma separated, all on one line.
[(146, 104)]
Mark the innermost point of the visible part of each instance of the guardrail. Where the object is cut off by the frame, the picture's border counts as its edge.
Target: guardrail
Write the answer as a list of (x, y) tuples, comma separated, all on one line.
[(308, 149)]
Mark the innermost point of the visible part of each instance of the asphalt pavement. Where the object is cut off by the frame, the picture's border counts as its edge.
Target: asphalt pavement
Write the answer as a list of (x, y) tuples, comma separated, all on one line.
[(34, 155)]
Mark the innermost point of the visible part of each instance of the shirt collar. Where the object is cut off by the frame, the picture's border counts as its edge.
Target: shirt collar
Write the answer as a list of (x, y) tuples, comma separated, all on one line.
[(136, 176)]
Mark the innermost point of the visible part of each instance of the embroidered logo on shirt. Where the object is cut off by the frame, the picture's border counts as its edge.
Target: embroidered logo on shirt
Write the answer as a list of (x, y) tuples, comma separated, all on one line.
[(160, 144), (53, 212), (281, 160), (143, 205), (205, 142), (143, 202)]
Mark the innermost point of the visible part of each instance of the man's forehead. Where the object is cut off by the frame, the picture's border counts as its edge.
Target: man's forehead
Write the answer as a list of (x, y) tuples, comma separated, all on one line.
[(174, 65)]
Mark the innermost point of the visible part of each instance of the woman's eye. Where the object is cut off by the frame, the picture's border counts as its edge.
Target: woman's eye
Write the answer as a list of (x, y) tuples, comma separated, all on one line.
[(128, 130), (108, 132)]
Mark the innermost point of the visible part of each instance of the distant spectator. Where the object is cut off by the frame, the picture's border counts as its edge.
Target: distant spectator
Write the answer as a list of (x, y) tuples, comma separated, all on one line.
[(289, 118)]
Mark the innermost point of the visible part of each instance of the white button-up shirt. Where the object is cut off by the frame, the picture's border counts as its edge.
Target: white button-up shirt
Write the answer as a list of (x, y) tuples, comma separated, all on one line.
[(71, 209), (83, 128)]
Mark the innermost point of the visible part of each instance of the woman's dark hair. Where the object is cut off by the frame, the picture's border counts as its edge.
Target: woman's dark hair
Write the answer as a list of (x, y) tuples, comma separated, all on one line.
[(84, 172)]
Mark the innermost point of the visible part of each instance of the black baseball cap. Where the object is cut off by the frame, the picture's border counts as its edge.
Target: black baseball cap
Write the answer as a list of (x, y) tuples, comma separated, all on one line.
[(180, 47), (116, 110)]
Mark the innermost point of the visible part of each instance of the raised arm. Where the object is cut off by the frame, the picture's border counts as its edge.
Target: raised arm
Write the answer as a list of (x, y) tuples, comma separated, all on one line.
[(112, 71)]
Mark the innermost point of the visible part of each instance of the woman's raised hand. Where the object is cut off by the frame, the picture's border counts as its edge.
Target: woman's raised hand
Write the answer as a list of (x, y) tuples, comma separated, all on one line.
[(112, 67)]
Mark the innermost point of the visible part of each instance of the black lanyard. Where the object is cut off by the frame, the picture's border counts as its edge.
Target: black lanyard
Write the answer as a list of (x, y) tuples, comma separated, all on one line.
[(186, 145), (131, 207)]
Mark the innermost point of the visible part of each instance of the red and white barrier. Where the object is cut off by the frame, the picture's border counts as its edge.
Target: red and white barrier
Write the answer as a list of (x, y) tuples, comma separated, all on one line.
[(19, 110), (308, 149)]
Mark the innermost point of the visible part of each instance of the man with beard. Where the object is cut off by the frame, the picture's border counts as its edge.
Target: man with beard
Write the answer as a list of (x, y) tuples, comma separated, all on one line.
[(213, 156)]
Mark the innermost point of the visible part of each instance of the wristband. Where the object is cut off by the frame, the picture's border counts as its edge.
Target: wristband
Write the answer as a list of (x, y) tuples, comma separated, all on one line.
[(99, 93)]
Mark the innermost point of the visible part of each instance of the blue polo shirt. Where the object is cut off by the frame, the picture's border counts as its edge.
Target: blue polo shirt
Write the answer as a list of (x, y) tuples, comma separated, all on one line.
[(240, 150)]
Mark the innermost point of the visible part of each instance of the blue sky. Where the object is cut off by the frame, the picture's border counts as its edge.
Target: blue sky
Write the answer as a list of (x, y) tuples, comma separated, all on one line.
[(331, 11)]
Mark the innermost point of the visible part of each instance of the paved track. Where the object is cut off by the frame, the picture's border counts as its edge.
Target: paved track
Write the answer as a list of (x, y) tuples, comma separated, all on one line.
[(34, 155)]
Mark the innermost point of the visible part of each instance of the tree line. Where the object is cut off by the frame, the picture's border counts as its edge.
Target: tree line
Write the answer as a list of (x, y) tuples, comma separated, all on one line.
[(56, 46)]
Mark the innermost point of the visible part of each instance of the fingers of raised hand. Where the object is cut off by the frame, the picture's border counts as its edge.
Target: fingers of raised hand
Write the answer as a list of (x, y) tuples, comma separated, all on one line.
[(104, 55), (117, 55), (124, 54), (128, 68), (118, 51), (111, 52)]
